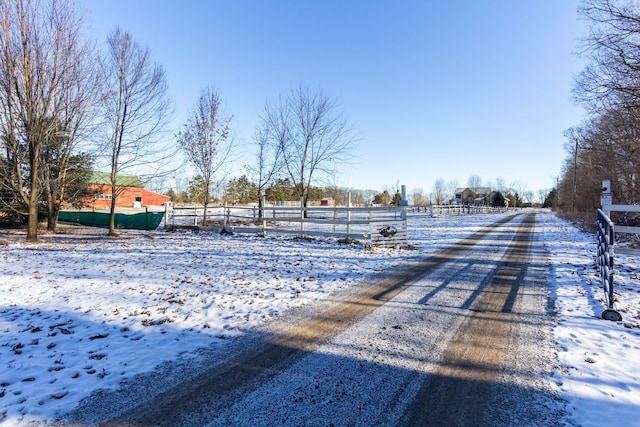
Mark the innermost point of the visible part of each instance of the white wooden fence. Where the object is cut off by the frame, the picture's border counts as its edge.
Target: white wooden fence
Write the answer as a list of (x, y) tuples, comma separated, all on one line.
[(376, 226), (446, 210)]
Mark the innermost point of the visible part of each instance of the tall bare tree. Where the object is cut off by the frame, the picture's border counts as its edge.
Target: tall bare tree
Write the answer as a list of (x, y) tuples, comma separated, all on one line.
[(606, 145), (439, 191), (65, 170), (419, 198), (206, 140), (612, 47), (268, 161), (42, 58), (314, 137), (500, 185), (474, 183), (452, 186), (136, 106)]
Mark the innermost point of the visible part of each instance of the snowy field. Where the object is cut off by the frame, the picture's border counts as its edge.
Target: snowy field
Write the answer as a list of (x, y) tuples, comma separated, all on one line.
[(80, 312)]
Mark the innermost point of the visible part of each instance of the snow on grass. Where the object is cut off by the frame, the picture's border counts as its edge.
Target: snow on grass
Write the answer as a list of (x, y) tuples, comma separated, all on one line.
[(87, 313), (598, 372)]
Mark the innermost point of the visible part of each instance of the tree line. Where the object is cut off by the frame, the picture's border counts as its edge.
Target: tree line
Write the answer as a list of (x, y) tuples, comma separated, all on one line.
[(68, 107), (605, 145), (243, 190), (512, 194)]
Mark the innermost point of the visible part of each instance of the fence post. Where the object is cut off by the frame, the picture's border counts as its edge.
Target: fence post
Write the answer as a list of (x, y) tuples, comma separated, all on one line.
[(606, 242), (263, 214), (302, 213), (226, 213), (348, 215)]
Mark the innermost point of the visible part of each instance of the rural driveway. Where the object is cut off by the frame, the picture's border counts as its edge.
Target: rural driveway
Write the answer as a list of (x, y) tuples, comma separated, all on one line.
[(459, 338)]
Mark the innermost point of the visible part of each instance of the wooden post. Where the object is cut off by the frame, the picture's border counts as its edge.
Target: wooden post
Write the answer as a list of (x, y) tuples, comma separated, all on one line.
[(302, 212), (335, 216), (263, 215), (348, 214), (224, 216)]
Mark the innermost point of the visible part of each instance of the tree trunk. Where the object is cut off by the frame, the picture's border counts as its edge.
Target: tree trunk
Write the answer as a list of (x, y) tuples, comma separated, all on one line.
[(32, 223), (52, 202), (52, 213), (112, 211), (207, 199), (204, 215)]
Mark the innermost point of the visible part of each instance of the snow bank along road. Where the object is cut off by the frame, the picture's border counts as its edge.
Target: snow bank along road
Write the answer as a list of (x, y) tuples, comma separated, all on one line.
[(459, 338)]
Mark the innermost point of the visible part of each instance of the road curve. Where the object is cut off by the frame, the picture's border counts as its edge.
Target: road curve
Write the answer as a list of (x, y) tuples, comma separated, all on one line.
[(458, 338)]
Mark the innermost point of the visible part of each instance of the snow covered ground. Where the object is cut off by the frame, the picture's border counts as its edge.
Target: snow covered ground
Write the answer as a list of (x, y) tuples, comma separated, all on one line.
[(80, 312)]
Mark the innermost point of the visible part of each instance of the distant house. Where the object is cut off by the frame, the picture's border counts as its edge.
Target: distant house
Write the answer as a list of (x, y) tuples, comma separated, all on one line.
[(130, 192), (476, 196)]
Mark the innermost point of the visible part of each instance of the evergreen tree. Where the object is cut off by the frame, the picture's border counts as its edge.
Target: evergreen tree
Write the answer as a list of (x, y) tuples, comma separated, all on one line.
[(551, 200), (241, 190), (382, 199), (280, 191), (498, 200), (396, 198)]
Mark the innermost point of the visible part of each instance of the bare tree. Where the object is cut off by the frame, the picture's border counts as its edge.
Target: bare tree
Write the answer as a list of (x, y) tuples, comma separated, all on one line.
[(474, 183), (451, 189), (501, 185), (521, 192), (136, 108), (65, 171), (439, 191), (613, 47), (605, 145), (313, 135), (268, 162), (541, 194), (41, 59), (206, 140), (418, 197), (364, 197), (359, 197)]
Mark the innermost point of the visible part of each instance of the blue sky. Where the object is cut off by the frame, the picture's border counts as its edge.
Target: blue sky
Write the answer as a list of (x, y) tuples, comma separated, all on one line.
[(434, 89)]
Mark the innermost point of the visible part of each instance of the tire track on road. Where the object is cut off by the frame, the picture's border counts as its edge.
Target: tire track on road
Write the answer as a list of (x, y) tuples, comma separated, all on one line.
[(219, 386), (458, 392)]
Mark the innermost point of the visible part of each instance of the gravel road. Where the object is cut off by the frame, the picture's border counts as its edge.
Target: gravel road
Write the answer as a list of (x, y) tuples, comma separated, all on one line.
[(459, 338)]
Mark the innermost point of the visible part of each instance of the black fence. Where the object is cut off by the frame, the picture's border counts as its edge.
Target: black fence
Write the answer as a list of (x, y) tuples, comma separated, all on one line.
[(606, 244)]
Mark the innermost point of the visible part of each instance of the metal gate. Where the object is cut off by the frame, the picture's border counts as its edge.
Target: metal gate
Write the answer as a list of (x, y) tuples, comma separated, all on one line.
[(606, 244)]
